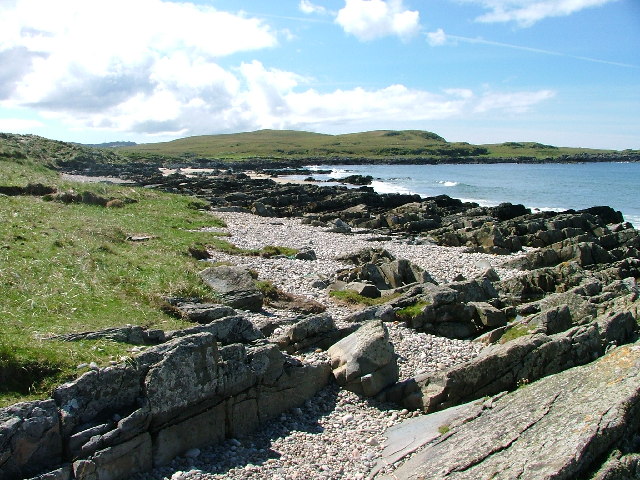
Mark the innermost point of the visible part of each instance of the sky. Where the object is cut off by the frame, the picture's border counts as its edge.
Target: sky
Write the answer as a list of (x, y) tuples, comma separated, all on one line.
[(559, 72)]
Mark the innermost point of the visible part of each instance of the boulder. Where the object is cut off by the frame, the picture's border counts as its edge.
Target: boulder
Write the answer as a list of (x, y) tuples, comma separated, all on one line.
[(364, 289), (235, 286), (489, 315), (585, 412), (365, 362)]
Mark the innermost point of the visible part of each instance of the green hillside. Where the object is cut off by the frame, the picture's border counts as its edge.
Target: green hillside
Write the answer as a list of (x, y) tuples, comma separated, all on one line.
[(379, 144)]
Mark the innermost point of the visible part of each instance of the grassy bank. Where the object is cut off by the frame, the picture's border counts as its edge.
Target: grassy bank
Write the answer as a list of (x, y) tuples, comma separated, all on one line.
[(76, 267)]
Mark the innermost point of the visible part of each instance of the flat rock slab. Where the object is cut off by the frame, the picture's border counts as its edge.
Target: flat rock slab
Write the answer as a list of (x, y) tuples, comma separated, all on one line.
[(408, 436), (554, 428)]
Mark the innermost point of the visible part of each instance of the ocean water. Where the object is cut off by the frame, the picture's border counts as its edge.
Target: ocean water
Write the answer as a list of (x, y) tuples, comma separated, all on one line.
[(554, 187)]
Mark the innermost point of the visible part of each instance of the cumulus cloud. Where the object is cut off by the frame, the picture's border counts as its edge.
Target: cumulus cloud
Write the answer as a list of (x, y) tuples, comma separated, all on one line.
[(371, 19), (65, 59), (527, 12), (164, 76), (19, 125)]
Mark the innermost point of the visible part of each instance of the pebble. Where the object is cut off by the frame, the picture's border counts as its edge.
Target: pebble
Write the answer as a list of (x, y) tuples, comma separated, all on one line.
[(335, 434)]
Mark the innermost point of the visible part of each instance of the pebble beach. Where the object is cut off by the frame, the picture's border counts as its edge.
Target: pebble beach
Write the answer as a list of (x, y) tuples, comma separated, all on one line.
[(335, 434)]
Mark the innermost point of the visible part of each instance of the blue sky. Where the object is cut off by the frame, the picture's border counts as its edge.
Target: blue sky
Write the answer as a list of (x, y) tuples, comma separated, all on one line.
[(562, 72)]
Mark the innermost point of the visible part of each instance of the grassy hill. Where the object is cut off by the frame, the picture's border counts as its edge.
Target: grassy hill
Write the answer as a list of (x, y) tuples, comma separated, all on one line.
[(379, 144)]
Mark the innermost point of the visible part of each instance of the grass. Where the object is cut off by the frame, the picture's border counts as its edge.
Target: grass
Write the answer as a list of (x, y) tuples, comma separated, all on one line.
[(515, 331), (71, 268), (267, 251), (412, 311), (352, 298)]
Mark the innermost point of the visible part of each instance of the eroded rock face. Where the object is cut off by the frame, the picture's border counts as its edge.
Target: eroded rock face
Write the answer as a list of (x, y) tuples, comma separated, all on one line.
[(364, 362), (235, 286), (584, 411)]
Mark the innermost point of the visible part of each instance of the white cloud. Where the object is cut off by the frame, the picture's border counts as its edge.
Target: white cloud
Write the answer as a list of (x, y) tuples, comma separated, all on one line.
[(70, 60), (528, 12), (371, 19), (19, 125), (309, 8), (163, 76), (511, 102), (437, 38)]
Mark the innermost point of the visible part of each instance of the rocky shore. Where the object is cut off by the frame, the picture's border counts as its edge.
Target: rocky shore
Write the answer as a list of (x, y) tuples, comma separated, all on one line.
[(497, 342)]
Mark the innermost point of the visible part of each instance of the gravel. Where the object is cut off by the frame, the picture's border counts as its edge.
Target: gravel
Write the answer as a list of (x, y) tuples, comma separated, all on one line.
[(336, 434)]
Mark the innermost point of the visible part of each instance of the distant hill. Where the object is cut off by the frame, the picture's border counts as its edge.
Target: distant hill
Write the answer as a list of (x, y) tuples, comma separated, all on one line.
[(379, 145), (289, 147)]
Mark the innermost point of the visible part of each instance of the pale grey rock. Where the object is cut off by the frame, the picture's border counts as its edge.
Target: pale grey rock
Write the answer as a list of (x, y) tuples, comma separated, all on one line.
[(584, 411), (364, 362), (489, 315), (504, 367)]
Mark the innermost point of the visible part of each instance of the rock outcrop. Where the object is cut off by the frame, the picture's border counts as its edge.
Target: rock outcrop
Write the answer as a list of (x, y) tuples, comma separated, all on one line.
[(584, 413), (184, 393)]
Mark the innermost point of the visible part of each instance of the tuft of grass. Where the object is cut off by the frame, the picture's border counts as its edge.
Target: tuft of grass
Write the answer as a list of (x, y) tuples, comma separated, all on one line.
[(412, 311), (69, 268), (442, 429), (268, 289), (352, 298)]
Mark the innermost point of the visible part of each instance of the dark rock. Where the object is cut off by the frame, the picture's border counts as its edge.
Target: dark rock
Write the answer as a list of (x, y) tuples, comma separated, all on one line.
[(30, 439), (235, 286)]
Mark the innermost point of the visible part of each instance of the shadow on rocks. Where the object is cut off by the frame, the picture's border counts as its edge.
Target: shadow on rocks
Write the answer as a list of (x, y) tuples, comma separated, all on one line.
[(254, 449)]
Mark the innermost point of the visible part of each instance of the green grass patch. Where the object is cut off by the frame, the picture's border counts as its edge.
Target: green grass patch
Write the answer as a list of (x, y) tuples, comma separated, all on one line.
[(68, 268), (352, 298), (267, 251), (515, 331), (412, 311)]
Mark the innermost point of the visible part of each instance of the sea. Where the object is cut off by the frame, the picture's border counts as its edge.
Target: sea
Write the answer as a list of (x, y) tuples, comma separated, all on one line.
[(553, 187)]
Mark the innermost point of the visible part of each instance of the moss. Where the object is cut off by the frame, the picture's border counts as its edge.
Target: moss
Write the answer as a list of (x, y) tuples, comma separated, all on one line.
[(442, 429)]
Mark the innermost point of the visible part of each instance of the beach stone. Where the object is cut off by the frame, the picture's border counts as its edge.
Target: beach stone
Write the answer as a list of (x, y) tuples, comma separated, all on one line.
[(306, 254), (235, 286), (364, 362)]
